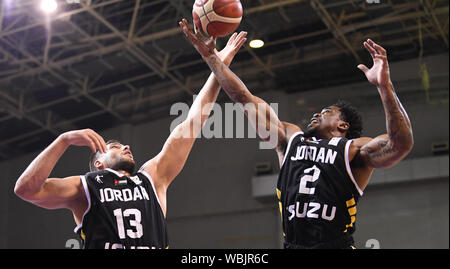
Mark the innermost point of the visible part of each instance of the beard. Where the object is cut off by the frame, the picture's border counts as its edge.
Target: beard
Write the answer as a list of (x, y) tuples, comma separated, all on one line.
[(311, 131), (125, 165)]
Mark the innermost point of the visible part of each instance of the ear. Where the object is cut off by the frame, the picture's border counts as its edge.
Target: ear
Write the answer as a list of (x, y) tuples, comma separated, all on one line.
[(99, 165), (343, 126)]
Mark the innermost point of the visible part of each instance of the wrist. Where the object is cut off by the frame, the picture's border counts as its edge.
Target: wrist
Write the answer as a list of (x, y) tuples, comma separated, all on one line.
[(63, 140), (226, 60), (212, 60), (386, 86)]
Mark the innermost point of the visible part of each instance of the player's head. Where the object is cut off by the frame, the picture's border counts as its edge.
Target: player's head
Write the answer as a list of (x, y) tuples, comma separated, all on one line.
[(340, 119), (117, 157)]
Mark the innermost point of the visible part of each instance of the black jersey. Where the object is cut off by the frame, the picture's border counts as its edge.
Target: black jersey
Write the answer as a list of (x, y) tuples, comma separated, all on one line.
[(317, 192), (123, 212)]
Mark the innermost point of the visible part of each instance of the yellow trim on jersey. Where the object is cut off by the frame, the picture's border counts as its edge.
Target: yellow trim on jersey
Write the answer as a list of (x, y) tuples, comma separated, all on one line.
[(352, 211), (351, 206), (280, 205), (83, 236), (351, 202)]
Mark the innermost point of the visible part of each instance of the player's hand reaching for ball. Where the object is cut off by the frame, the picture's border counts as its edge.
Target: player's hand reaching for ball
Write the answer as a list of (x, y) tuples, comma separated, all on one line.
[(207, 46), (86, 137), (378, 74), (234, 44), (204, 45)]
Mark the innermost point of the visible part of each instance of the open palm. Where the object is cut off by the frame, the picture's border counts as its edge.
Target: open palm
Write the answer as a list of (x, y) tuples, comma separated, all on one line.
[(233, 46), (379, 73)]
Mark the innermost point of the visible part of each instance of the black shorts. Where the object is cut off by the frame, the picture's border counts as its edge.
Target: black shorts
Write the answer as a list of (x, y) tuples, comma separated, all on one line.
[(345, 242)]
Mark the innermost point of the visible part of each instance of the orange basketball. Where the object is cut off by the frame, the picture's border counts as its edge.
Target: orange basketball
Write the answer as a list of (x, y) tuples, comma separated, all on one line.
[(217, 18)]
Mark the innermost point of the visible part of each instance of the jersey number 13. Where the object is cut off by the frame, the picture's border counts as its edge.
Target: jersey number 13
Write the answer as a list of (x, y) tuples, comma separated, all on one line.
[(134, 217)]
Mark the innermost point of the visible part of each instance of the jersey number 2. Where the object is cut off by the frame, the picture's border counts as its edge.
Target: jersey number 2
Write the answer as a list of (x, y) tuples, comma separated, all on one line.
[(309, 178), (136, 222)]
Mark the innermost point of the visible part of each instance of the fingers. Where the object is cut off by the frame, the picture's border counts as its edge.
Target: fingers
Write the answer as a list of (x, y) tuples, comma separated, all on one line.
[(232, 39), (236, 39), (371, 50), (241, 38), (375, 50), (92, 146), (102, 143), (381, 57), (96, 142), (185, 27), (241, 35), (240, 43), (379, 49), (363, 68)]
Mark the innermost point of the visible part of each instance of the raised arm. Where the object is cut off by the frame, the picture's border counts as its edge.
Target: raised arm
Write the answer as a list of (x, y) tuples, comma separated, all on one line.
[(170, 161), (388, 149), (34, 185), (260, 114)]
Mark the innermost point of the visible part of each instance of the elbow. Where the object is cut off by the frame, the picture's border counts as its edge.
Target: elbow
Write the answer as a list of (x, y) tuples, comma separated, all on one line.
[(22, 191), (410, 145), (403, 143), (406, 144), (19, 191)]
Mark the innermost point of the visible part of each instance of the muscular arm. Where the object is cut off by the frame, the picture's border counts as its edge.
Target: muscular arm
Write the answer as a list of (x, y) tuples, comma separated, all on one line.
[(388, 149), (262, 117), (35, 186), (170, 161), (260, 114)]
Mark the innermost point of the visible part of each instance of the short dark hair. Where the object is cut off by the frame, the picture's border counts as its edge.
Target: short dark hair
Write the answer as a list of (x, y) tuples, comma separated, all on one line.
[(350, 115), (94, 156)]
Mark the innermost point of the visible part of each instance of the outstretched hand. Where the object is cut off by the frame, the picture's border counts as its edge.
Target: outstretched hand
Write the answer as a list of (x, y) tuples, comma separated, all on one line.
[(207, 46), (379, 74), (204, 45), (234, 44)]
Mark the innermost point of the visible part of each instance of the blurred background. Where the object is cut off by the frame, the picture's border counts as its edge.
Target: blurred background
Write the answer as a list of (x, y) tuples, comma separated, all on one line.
[(118, 66)]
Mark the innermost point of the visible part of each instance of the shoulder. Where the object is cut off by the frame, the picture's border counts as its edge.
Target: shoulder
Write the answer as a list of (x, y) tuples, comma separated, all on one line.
[(151, 172), (361, 141), (290, 131)]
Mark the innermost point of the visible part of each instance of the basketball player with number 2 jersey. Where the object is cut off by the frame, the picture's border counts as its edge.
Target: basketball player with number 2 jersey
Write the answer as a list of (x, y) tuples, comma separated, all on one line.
[(325, 169)]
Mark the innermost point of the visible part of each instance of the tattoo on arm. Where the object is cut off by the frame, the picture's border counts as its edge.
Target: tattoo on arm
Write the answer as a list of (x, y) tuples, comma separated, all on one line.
[(387, 150), (232, 85), (383, 148)]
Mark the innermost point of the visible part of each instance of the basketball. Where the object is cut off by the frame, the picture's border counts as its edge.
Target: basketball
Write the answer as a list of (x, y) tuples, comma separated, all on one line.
[(217, 18)]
